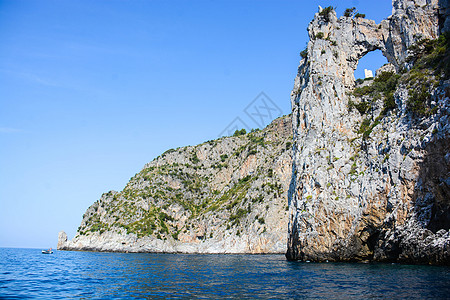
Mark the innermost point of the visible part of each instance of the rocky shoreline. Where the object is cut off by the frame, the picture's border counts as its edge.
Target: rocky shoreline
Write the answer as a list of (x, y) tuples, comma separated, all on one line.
[(113, 242), (223, 196)]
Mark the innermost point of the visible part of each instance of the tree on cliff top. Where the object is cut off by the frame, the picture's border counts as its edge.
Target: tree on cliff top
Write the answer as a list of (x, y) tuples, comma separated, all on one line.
[(325, 13)]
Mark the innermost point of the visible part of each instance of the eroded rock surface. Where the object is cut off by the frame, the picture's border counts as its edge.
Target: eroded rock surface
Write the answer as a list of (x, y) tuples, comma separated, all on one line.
[(223, 196), (370, 184)]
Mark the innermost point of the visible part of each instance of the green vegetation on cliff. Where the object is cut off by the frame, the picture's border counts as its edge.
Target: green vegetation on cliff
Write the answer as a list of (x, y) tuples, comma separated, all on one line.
[(189, 192), (430, 65)]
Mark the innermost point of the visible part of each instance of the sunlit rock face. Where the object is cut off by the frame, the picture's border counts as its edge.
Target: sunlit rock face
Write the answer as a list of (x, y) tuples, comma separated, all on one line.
[(374, 184), (223, 196)]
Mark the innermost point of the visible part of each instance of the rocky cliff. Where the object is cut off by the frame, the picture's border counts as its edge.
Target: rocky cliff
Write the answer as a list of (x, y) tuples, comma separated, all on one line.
[(369, 176), (223, 196), (371, 162)]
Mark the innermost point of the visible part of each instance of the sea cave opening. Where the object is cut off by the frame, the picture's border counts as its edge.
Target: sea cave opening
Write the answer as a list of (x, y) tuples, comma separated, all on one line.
[(369, 63)]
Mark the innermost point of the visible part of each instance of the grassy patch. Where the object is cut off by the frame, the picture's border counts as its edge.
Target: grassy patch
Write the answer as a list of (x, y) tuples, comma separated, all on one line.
[(431, 59), (383, 86), (194, 159)]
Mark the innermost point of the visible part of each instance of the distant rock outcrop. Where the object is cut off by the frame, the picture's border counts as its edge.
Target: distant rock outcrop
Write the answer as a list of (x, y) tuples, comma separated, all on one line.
[(62, 239), (223, 196), (371, 166)]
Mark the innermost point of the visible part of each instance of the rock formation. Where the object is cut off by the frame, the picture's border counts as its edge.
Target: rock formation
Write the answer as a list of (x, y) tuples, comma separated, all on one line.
[(371, 162), (369, 176), (223, 196)]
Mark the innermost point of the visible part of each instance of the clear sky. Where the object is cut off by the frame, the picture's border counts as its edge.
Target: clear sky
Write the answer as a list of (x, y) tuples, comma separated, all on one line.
[(90, 91)]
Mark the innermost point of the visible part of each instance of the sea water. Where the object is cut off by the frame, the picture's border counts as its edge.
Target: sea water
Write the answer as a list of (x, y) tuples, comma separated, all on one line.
[(27, 273)]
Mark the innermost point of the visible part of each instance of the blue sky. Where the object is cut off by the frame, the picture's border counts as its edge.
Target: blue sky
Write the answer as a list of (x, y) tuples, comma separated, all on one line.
[(90, 91)]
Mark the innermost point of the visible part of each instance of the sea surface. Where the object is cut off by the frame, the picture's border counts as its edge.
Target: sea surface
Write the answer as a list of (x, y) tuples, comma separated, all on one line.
[(27, 273)]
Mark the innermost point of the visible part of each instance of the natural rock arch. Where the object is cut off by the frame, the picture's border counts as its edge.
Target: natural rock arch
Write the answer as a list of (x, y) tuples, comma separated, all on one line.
[(371, 61), (331, 216)]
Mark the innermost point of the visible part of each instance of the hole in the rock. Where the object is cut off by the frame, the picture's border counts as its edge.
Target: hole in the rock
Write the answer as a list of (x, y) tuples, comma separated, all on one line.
[(371, 61)]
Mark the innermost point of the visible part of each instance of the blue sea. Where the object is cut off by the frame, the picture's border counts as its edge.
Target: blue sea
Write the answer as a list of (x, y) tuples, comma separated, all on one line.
[(27, 273)]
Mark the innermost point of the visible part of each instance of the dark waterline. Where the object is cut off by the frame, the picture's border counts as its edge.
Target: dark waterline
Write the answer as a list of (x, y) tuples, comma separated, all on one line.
[(26, 273)]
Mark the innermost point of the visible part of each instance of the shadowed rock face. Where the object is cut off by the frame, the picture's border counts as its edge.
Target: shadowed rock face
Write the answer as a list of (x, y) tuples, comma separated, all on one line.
[(380, 195), (443, 15), (223, 196)]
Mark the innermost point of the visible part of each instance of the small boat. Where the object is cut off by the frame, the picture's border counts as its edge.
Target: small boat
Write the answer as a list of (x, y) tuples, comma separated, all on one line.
[(49, 251)]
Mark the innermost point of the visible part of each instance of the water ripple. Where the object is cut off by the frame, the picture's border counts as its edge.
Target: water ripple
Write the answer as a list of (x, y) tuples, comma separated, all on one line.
[(26, 273)]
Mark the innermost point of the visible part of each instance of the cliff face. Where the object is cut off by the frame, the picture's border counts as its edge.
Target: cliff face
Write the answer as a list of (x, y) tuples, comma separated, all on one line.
[(369, 177), (223, 196), (371, 162)]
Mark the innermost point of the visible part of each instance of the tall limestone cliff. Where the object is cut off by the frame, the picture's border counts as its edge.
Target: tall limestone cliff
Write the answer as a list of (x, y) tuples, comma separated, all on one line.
[(223, 196), (371, 162)]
